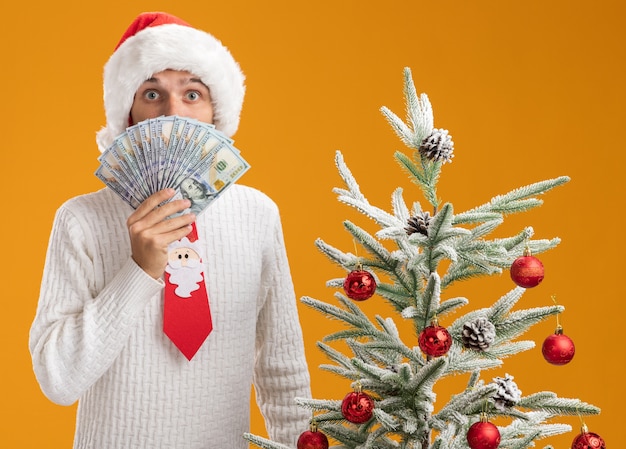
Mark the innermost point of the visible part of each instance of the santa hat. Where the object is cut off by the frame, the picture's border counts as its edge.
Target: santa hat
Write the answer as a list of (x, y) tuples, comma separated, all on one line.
[(157, 41)]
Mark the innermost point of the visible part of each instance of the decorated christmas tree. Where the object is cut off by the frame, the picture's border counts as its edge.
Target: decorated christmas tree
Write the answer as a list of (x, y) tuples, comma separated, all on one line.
[(417, 253)]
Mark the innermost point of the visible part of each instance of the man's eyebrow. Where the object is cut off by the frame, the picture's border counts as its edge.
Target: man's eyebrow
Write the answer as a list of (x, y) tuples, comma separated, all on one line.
[(197, 81)]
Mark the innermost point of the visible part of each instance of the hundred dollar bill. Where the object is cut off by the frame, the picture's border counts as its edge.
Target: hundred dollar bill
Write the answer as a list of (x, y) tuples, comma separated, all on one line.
[(221, 167), (134, 135), (209, 178), (171, 155), (111, 182), (116, 167)]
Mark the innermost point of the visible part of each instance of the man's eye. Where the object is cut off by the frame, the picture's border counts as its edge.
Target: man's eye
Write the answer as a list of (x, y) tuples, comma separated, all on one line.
[(151, 95), (193, 95)]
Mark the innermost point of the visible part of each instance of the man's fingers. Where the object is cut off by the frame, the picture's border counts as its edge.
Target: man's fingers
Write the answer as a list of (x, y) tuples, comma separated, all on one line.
[(154, 213), (161, 229), (154, 200), (172, 224)]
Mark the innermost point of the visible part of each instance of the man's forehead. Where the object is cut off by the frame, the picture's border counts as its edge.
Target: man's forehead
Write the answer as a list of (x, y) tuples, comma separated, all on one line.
[(179, 76)]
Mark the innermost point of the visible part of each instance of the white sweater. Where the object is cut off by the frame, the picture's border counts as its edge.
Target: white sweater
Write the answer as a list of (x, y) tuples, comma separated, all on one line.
[(97, 336)]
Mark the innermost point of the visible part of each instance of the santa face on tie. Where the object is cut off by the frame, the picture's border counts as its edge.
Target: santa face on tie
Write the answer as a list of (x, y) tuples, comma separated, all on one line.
[(184, 266)]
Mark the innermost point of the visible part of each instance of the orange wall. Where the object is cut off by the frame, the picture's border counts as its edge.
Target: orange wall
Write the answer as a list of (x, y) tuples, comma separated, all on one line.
[(529, 90)]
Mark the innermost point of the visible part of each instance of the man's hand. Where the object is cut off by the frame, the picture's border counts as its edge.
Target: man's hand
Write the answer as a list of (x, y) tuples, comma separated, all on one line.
[(151, 233)]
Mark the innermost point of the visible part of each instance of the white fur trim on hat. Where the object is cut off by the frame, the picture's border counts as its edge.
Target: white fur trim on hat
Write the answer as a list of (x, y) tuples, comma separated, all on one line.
[(174, 47)]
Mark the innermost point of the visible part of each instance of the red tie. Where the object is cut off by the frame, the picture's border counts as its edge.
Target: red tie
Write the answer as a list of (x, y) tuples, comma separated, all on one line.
[(186, 313)]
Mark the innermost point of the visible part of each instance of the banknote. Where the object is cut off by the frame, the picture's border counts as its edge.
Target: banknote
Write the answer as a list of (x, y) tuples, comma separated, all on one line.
[(192, 157)]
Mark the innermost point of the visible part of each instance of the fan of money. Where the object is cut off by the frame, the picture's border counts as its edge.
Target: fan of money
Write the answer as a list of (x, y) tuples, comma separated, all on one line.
[(190, 156)]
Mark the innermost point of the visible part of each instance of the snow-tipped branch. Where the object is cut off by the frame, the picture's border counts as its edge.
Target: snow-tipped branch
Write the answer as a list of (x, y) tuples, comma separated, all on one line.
[(419, 114), (549, 402), (263, 443), (425, 176), (519, 200)]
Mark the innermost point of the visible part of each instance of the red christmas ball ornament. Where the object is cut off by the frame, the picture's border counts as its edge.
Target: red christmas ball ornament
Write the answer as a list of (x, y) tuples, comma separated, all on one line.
[(558, 348), (483, 435), (312, 439), (527, 271), (435, 340), (359, 284), (588, 440), (357, 407)]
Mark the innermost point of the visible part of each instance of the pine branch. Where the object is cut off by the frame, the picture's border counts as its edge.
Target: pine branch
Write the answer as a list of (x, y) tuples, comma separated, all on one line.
[(372, 245), (503, 306), (360, 324), (460, 361), (353, 197), (335, 356), (419, 110), (517, 240), (388, 422), (396, 295), (400, 210), (353, 188), (484, 229), (475, 217), (535, 246), (464, 270), (419, 115), (549, 402), (373, 438), (372, 375), (520, 321), (335, 255), (395, 347), (424, 380), (521, 443), (399, 127), (339, 371), (412, 134), (430, 300), (319, 405), (532, 424), (351, 437), (263, 443), (425, 176), (518, 200), (469, 402), (507, 349), (381, 217)]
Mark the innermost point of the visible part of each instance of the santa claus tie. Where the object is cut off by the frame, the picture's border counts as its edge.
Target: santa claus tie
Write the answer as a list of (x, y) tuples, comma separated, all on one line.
[(186, 313)]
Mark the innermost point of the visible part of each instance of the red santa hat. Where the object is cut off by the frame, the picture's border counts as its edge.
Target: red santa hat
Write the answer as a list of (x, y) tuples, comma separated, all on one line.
[(157, 41)]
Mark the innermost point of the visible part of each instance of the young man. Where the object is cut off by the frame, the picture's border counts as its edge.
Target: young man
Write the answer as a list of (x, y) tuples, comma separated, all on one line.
[(98, 333)]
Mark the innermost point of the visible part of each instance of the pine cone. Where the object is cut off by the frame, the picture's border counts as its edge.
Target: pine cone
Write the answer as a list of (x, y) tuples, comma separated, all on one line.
[(437, 146), (478, 334), (508, 393), (418, 223)]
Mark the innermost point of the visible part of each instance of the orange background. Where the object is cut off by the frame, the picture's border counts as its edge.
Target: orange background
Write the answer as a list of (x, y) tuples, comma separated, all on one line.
[(529, 90)]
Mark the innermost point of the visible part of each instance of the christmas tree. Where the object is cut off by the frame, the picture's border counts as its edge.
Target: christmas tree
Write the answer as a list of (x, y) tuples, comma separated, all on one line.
[(414, 257)]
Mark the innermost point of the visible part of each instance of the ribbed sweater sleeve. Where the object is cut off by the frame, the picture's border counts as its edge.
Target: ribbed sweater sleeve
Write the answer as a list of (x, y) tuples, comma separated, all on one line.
[(281, 372), (82, 323)]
